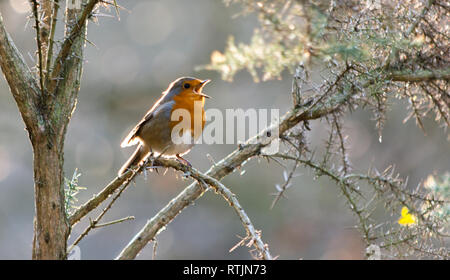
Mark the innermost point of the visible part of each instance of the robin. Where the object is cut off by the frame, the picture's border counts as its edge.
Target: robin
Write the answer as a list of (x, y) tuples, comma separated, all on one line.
[(153, 133)]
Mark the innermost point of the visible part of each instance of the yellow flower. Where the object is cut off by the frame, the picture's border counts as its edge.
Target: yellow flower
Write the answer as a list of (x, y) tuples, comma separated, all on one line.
[(407, 218)]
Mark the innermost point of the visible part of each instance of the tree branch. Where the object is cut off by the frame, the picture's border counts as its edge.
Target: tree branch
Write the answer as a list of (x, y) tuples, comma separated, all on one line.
[(66, 84), (23, 85), (45, 13), (93, 224), (39, 44), (345, 186), (74, 32), (101, 196), (51, 40), (149, 231), (420, 76)]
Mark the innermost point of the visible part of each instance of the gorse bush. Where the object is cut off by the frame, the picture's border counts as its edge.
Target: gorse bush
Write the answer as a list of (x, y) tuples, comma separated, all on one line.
[(349, 55)]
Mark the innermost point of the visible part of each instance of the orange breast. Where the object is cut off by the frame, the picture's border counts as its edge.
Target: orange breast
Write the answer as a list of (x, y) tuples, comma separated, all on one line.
[(187, 101)]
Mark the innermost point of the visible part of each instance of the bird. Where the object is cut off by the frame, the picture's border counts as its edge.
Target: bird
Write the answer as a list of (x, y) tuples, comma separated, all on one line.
[(153, 134)]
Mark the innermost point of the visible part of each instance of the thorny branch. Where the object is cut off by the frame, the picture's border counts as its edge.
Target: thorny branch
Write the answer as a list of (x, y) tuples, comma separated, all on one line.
[(66, 47), (39, 44), (147, 232), (51, 40), (282, 189), (94, 223), (24, 87)]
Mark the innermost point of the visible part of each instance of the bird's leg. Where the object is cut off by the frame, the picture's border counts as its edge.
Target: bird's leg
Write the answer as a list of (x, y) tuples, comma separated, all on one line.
[(151, 162), (183, 160)]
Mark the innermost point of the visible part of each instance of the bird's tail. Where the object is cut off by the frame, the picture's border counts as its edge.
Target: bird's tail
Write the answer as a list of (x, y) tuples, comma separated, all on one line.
[(137, 157)]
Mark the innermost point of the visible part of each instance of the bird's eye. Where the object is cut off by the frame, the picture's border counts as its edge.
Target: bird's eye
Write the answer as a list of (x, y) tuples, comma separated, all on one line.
[(187, 86)]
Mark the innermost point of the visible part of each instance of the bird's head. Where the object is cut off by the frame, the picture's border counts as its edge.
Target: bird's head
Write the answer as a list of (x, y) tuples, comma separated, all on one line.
[(188, 87)]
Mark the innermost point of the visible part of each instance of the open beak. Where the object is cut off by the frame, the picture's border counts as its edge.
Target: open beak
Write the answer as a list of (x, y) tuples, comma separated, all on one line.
[(199, 88)]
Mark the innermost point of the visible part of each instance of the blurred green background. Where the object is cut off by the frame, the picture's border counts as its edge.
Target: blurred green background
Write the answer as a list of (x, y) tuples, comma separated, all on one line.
[(133, 61)]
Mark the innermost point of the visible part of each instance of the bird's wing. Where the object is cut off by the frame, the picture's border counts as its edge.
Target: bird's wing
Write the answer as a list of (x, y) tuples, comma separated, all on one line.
[(131, 140)]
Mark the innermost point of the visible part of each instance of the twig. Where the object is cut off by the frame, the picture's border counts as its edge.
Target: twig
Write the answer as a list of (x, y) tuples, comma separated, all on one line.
[(45, 19), (420, 18), (117, 9), (155, 246), (51, 39), (90, 205), (343, 184), (93, 224), (68, 42), (393, 55), (39, 46), (415, 110), (250, 229), (284, 187), (420, 76), (114, 222), (344, 156), (443, 112)]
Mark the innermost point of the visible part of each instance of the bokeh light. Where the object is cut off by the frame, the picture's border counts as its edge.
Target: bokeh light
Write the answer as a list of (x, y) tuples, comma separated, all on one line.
[(120, 64), (95, 154), (169, 63), (150, 23)]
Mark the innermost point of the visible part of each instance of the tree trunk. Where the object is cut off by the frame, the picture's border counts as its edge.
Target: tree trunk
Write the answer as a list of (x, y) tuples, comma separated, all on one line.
[(46, 109), (51, 228)]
